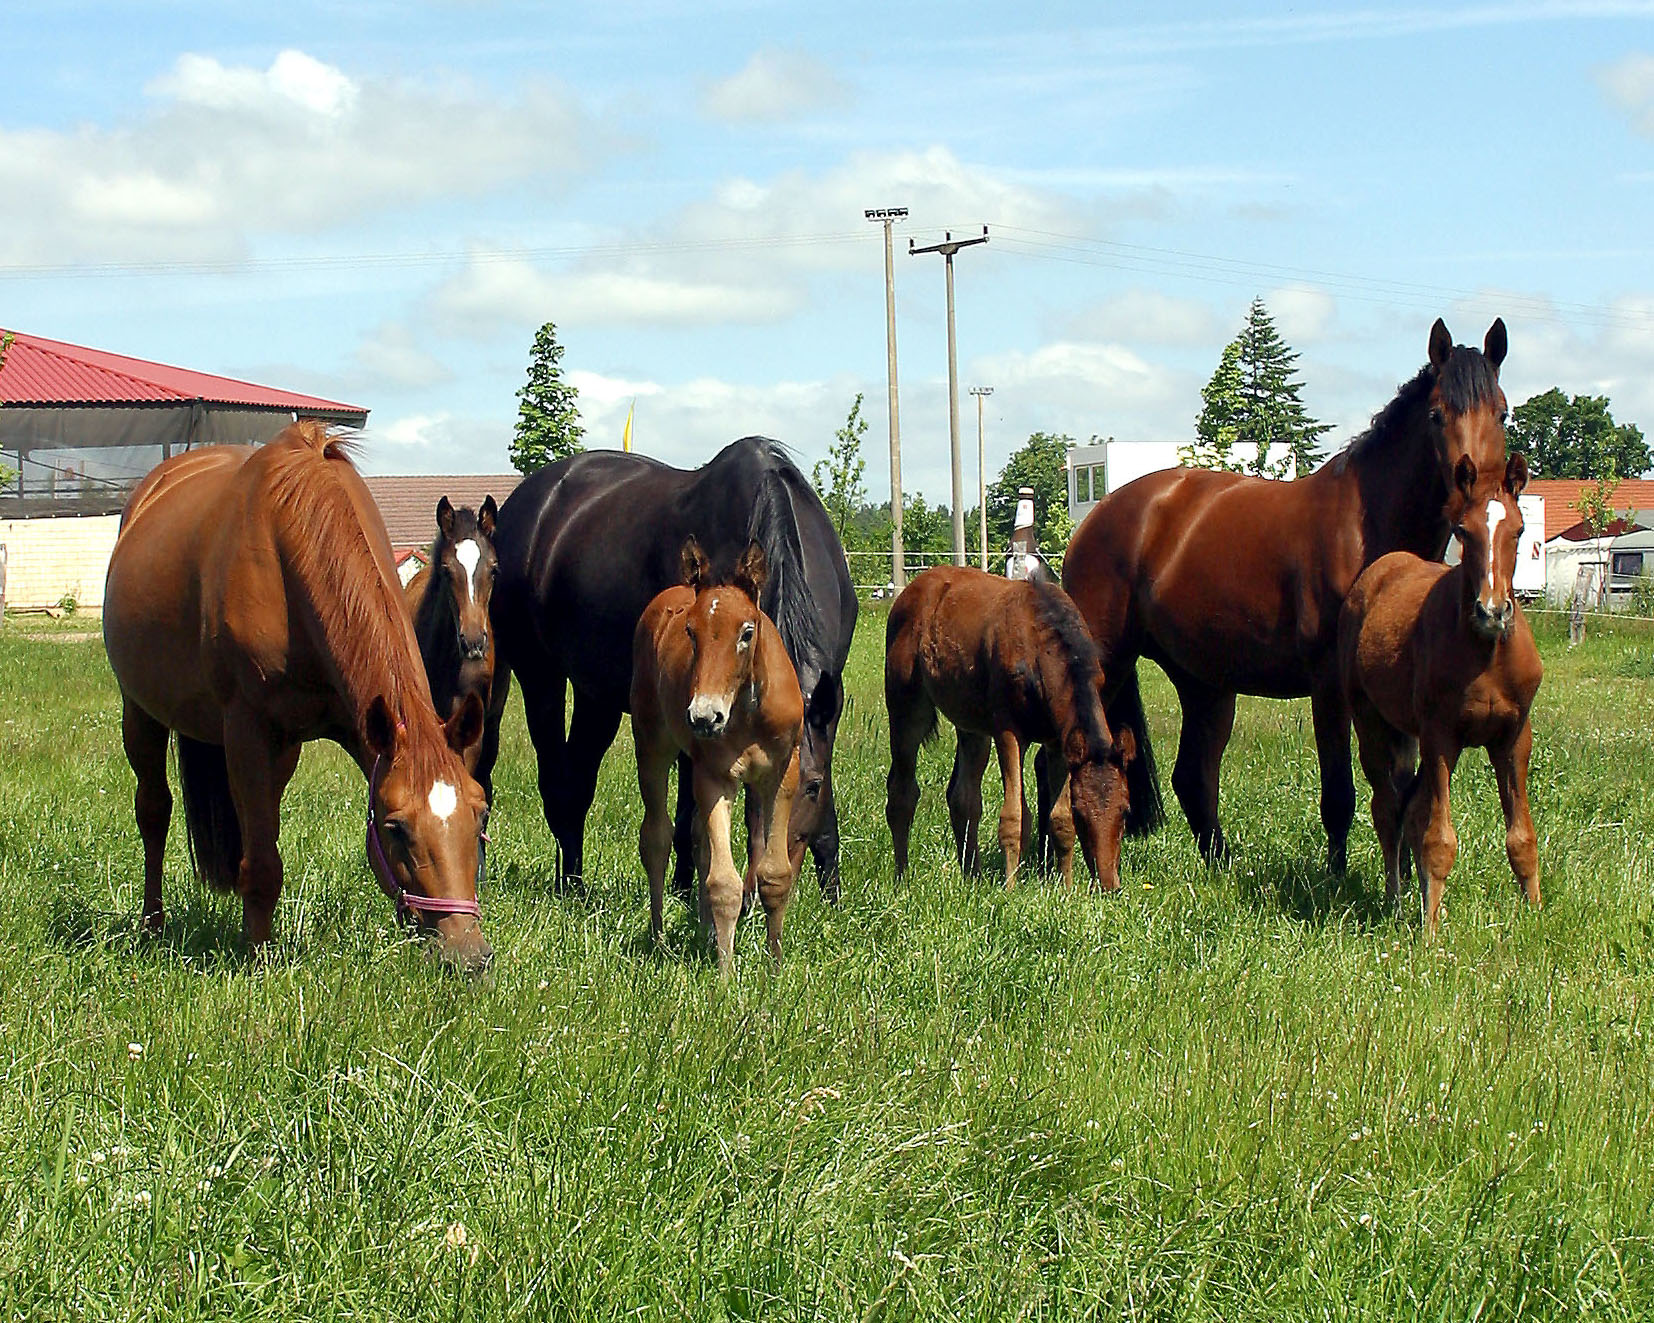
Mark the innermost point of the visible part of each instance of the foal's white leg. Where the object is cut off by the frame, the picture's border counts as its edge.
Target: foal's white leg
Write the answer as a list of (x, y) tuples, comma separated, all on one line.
[(721, 889)]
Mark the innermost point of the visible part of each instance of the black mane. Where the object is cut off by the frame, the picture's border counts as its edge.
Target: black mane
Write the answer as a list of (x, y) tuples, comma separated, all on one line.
[(788, 598), (1058, 614), (1466, 381)]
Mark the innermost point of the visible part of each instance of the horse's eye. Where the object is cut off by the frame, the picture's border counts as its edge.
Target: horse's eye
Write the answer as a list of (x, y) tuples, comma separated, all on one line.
[(397, 830), (1437, 417), (747, 632)]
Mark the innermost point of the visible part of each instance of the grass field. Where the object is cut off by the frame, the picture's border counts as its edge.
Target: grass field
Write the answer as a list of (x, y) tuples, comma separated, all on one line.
[(1235, 1094)]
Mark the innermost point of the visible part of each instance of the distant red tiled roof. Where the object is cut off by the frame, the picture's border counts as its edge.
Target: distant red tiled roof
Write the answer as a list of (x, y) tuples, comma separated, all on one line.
[(409, 503), (40, 372), (1562, 494)]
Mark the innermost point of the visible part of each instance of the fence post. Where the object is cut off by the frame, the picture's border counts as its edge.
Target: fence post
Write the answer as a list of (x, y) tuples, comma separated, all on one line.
[(3, 554)]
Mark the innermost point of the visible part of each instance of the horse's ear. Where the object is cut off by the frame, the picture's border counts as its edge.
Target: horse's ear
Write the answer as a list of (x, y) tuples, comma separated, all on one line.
[(445, 517), (751, 571), (379, 729), (1497, 343), (464, 728), (697, 572), (1465, 474), (486, 516), (1441, 345), (1516, 473), (1125, 747)]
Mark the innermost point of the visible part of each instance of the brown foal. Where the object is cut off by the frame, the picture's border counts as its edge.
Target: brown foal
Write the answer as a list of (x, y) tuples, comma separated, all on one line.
[(1009, 663), (711, 679), (1437, 660)]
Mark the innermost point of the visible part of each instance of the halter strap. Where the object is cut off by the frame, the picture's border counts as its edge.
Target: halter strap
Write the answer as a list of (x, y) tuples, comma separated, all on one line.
[(404, 899)]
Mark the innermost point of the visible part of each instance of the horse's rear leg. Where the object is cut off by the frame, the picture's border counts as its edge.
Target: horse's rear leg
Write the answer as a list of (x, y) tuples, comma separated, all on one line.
[(1013, 813), (970, 760), (1208, 718), (146, 749), (591, 731), (1510, 770), (912, 717), (1387, 762), (1331, 716), (543, 700), (824, 845), (1051, 770)]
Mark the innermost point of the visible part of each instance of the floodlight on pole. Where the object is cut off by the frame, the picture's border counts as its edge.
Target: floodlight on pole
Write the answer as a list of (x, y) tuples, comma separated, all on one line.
[(887, 216), (981, 393)]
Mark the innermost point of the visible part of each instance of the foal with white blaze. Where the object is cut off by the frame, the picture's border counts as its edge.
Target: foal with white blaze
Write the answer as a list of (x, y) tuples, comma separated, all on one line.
[(1436, 660), (711, 679)]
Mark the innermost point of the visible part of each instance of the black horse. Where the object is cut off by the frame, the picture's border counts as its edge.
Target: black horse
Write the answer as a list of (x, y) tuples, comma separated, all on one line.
[(587, 542)]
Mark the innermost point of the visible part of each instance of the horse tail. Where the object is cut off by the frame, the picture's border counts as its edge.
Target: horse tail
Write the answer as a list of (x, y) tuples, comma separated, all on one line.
[(214, 831), (1148, 810)]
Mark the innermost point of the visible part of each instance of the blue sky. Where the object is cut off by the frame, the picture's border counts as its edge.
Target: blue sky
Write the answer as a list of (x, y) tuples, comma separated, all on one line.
[(381, 203)]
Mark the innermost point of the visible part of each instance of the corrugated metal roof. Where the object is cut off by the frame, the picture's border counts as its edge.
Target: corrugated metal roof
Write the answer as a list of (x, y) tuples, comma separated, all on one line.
[(42, 373), (408, 504)]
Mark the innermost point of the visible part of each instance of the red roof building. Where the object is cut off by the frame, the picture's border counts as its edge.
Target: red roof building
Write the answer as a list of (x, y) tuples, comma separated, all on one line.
[(1562, 499), (83, 425), (408, 504)]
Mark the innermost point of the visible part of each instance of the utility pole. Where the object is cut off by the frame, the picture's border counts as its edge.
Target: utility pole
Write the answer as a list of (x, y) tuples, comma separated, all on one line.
[(948, 247), (981, 393), (898, 566)]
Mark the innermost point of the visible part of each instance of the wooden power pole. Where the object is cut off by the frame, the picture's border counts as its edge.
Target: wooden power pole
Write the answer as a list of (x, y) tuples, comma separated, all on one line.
[(948, 247)]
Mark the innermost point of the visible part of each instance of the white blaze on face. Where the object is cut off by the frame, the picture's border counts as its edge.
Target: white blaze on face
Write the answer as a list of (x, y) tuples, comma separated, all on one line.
[(467, 553), (443, 799), (1495, 516)]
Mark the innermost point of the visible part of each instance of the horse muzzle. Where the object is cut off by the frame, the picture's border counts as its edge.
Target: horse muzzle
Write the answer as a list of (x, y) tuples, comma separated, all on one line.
[(1493, 622), (473, 647), (707, 717)]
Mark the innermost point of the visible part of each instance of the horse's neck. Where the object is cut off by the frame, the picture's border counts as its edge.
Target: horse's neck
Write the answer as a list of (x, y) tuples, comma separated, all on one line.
[(1401, 492)]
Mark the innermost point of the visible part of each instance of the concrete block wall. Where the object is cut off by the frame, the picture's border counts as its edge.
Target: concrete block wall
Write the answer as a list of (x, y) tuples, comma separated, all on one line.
[(48, 558)]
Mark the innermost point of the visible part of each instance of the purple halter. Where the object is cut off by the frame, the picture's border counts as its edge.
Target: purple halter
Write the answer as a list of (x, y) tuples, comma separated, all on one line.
[(405, 899)]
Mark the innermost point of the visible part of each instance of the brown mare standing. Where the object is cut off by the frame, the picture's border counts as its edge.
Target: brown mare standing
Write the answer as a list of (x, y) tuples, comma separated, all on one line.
[(711, 679), (1436, 661), (1233, 584), (448, 600), (1008, 663), (252, 605)]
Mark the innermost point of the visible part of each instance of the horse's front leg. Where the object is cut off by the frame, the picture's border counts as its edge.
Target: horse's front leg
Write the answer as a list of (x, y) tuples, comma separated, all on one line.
[(721, 886), (654, 763), (771, 860), (1208, 719), (1051, 769), (970, 760), (1429, 826), (1331, 716), (1510, 771), (259, 766)]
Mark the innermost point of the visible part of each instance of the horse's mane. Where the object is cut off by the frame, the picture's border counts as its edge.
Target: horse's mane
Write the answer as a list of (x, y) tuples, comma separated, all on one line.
[(1466, 380), (774, 526), (1061, 619), (330, 552)]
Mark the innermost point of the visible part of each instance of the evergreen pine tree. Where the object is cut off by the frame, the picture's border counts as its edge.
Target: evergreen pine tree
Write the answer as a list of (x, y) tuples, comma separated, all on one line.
[(548, 417), (1252, 419)]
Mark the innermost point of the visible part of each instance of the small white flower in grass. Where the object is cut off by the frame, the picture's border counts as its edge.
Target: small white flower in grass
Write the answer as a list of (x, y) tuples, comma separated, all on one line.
[(456, 1237), (134, 1051), (141, 1199)]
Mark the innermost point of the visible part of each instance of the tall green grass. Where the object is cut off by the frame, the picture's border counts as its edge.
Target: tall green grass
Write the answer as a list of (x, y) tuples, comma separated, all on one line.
[(1234, 1094)]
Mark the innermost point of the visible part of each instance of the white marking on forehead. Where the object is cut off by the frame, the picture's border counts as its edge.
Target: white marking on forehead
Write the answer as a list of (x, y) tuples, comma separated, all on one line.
[(713, 609), (443, 799), (468, 553), (1495, 517)]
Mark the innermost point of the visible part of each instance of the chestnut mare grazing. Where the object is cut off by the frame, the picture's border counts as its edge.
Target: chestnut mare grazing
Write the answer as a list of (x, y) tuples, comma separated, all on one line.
[(1436, 661), (1010, 663), (711, 680), (448, 601), (1233, 584), (252, 605)]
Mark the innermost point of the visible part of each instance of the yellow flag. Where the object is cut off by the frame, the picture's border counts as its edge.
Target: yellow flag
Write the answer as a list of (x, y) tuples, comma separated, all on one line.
[(626, 435)]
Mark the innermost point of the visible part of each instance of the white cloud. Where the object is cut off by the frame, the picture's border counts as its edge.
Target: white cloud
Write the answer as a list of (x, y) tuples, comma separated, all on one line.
[(392, 355), (1146, 316), (773, 85), (1629, 84), (437, 443), (1082, 388), (490, 295), (1302, 315), (226, 152)]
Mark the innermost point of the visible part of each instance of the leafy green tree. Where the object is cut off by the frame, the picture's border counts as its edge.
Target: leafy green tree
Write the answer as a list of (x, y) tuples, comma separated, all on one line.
[(1252, 418), (1595, 503), (838, 478), (1576, 438), (548, 414), (1040, 463)]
